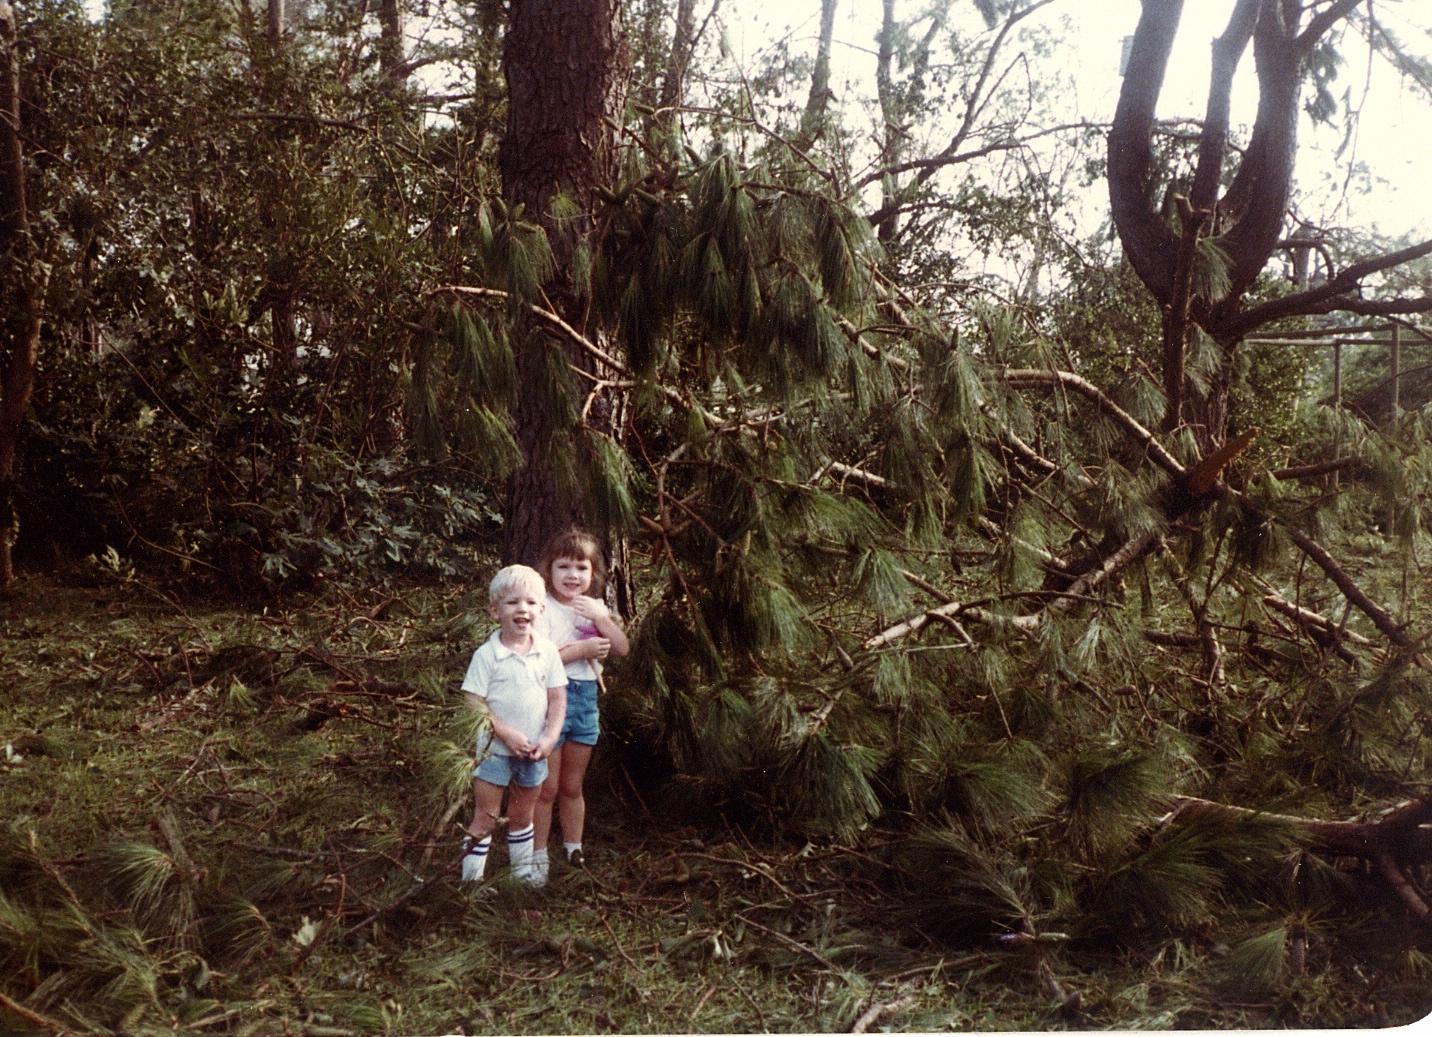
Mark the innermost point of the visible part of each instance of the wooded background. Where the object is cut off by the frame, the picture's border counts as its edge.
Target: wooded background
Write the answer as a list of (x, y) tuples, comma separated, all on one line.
[(1044, 555)]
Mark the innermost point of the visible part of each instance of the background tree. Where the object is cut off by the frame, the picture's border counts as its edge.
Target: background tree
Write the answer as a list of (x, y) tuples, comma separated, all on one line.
[(22, 271), (1200, 261), (566, 66)]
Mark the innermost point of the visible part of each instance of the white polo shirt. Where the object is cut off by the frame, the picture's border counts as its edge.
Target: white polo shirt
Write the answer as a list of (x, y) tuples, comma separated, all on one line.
[(514, 685)]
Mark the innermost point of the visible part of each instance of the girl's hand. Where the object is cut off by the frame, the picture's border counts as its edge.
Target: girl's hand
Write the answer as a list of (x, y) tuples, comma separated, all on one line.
[(590, 608), (597, 647)]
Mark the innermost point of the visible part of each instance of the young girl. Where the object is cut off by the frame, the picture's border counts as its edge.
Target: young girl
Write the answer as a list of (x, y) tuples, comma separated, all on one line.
[(585, 633)]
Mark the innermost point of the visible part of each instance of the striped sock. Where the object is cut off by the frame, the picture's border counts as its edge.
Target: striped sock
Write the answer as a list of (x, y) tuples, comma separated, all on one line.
[(474, 857), (519, 854)]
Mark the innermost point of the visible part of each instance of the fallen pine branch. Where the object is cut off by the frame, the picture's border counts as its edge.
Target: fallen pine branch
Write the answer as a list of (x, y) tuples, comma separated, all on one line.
[(1404, 829)]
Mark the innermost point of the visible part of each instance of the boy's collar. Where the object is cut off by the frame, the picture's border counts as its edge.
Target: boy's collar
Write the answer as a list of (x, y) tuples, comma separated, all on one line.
[(504, 649)]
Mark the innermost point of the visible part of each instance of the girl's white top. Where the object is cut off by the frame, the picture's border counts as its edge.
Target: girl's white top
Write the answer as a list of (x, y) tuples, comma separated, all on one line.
[(563, 625)]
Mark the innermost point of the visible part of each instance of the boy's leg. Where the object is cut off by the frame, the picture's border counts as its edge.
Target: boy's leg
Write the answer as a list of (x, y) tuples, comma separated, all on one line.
[(571, 803), (486, 803), (521, 803), (542, 813)]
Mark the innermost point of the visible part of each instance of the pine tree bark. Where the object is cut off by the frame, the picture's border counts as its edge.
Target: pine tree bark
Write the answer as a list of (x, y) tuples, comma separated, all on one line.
[(818, 100), (276, 15), (390, 40), (566, 67), (22, 317), (673, 83)]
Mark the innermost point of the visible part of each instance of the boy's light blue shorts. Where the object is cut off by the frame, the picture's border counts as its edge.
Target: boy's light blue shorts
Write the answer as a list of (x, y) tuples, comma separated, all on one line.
[(499, 769), (581, 725)]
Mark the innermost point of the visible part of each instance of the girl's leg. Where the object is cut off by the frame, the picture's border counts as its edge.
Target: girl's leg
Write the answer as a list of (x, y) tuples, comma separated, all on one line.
[(542, 816), (571, 804), (546, 798), (486, 807)]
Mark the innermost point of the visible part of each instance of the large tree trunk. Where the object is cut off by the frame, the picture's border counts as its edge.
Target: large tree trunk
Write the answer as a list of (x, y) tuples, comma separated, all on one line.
[(673, 84), (818, 100), (21, 318), (565, 63), (391, 56), (1246, 221), (274, 23)]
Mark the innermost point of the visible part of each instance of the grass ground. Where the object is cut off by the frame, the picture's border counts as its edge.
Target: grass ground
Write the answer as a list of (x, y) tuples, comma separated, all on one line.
[(245, 822)]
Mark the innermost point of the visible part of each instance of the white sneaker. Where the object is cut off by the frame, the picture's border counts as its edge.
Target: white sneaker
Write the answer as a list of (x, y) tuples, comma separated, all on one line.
[(474, 859)]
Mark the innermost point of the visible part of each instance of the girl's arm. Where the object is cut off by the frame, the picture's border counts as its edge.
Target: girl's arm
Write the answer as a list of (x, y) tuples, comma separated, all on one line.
[(608, 626), (587, 648)]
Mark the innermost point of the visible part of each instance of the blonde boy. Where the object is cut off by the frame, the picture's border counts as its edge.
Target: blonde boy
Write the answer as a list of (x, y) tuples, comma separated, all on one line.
[(517, 678)]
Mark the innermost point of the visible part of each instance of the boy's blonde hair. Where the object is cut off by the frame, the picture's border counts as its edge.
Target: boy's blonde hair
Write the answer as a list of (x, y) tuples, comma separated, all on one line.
[(519, 576)]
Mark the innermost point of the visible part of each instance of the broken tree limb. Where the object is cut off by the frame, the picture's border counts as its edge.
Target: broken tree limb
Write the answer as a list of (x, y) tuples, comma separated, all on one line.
[(1323, 629), (1403, 832), (1024, 378), (1389, 870), (1316, 470), (872, 1015), (1384, 622), (1204, 476)]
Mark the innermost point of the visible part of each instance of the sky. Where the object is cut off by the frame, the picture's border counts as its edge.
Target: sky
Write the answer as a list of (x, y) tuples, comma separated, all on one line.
[(1391, 140)]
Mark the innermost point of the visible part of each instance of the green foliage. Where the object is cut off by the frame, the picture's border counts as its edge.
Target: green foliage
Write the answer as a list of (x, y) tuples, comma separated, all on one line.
[(965, 890), (1109, 793), (881, 604)]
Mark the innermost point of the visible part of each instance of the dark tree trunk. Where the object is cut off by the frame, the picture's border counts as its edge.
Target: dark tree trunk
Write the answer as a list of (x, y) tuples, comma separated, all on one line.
[(1246, 222), (890, 149), (390, 40), (275, 23), (818, 100), (673, 84), (21, 317), (565, 63)]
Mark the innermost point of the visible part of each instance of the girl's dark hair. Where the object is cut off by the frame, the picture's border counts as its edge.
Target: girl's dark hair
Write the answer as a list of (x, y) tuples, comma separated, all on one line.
[(576, 543)]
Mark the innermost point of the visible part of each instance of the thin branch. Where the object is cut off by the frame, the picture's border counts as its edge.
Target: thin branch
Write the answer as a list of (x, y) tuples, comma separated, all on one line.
[(549, 317), (1325, 298), (1389, 870), (1313, 471), (1321, 23), (1025, 378), (944, 158), (1384, 622)]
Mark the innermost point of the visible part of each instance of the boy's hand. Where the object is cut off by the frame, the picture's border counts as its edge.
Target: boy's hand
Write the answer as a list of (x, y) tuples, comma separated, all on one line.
[(590, 608), (515, 740), (542, 749)]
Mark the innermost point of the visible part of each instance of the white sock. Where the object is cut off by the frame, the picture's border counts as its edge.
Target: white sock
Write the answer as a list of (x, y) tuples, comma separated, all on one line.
[(474, 858), (569, 847), (541, 863), (519, 855)]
